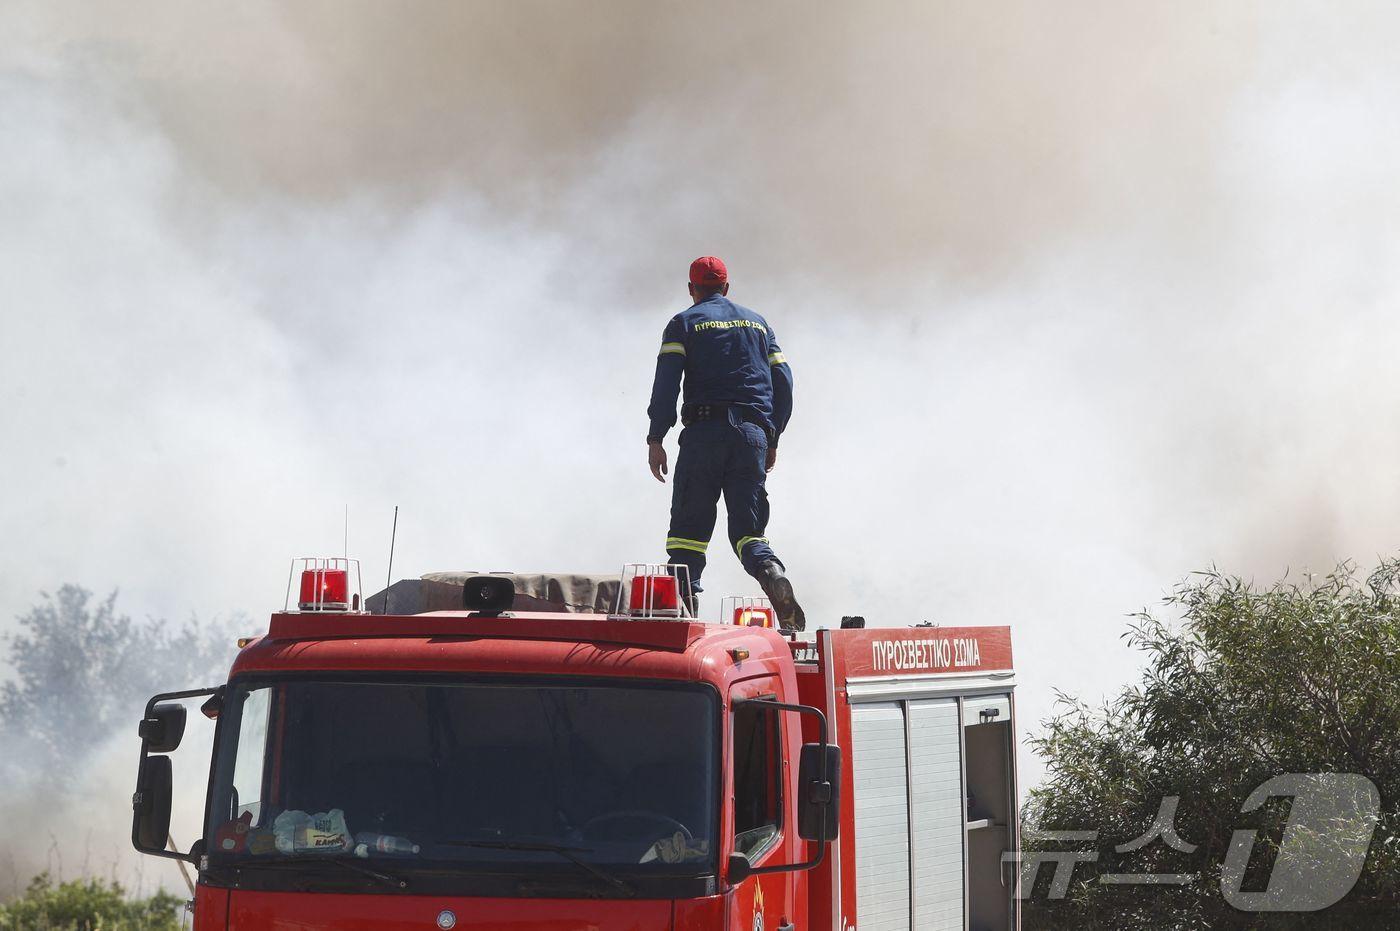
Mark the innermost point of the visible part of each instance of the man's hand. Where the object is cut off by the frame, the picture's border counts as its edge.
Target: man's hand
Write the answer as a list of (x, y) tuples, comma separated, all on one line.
[(772, 459), (656, 458)]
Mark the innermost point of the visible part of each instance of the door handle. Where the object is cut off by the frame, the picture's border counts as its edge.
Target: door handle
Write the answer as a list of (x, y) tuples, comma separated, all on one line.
[(787, 927)]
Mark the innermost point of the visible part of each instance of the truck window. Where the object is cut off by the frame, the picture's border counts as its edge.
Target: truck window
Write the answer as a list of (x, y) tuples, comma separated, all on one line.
[(248, 766), (757, 779), (493, 774)]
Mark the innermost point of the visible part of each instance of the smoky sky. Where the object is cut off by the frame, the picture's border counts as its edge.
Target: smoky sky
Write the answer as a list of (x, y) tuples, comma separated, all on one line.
[(1079, 297)]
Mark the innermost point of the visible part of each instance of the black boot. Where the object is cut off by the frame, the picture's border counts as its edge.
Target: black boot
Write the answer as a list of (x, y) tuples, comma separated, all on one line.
[(779, 591)]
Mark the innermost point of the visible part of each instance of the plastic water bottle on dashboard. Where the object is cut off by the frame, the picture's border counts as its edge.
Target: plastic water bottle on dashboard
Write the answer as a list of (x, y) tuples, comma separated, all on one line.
[(368, 843)]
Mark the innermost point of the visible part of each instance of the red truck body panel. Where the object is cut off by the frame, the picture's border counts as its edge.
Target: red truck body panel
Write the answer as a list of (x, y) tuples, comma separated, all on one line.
[(292, 911)]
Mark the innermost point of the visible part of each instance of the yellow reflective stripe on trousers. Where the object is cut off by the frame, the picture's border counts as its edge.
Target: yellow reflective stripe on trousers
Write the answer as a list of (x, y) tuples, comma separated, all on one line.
[(677, 348), (745, 541), (776, 358), (681, 543)]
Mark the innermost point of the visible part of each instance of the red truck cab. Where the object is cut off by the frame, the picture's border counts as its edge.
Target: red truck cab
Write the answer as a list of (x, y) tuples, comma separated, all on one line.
[(485, 767)]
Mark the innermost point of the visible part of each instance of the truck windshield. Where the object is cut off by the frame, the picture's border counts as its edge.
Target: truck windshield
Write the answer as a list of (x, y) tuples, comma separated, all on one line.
[(503, 774)]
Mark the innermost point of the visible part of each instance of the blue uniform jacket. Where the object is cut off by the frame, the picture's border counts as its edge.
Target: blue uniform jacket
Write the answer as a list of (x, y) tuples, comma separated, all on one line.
[(726, 353)]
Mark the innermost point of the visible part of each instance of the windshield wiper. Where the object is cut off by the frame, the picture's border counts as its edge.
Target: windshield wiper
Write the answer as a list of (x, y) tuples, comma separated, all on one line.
[(350, 865), (568, 853)]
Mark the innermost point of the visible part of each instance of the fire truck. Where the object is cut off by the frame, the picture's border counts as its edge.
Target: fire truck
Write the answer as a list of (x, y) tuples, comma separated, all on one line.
[(553, 751)]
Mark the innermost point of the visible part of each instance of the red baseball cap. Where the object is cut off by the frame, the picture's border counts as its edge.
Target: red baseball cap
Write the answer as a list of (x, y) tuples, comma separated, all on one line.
[(708, 270)]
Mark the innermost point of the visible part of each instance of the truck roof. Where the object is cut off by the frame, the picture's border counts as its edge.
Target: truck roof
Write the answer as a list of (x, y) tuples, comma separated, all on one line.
[(539, 592), (545, 643)]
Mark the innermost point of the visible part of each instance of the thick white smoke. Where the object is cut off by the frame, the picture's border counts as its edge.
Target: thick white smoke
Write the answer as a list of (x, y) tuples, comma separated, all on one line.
[(1078, 299)]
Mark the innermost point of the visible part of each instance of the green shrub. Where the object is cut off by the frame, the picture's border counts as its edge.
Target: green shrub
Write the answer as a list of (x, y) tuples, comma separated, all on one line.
[(1243, 684), (87, 905)]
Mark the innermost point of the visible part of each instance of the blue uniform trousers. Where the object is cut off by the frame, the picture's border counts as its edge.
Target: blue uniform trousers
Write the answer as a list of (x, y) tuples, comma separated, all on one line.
[(723, 456)]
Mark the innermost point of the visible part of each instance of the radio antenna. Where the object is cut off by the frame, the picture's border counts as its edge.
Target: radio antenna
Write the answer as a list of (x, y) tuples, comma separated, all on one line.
[(347, 530), (389, 578)]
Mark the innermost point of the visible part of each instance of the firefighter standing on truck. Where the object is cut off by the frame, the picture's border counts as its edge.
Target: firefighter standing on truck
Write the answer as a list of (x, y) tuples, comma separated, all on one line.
[(738, 398)]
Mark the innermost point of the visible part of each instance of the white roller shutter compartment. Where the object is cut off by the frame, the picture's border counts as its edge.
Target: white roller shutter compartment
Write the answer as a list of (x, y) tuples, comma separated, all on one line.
[(882, 817), (935, 761)]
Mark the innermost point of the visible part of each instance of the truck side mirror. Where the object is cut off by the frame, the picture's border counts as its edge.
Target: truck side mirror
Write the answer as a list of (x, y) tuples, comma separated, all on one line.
[(151, 804), (819, 792), (214, 705), (164, 728), (739, 868)]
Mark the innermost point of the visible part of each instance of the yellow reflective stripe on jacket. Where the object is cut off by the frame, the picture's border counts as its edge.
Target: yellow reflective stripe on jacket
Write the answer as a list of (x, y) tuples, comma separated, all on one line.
[(677, 348), (745, 541), (776, 358), (681, 543)]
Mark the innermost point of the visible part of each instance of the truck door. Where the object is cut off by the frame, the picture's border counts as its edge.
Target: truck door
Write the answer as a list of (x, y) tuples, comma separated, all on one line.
[(757, 751)]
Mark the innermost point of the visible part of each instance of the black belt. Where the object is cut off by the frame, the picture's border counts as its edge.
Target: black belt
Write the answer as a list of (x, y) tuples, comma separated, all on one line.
[(697, 411)]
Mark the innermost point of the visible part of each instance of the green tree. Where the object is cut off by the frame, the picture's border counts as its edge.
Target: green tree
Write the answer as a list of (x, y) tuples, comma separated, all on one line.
[(87, 905), (1243, 684), (82, 671)]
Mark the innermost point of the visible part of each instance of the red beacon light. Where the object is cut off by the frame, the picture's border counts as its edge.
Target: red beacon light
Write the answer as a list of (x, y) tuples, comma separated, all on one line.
[(656, 592), (324, 590), (653, 590), (753, 617), (325, 585), (749, 612)]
